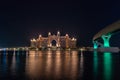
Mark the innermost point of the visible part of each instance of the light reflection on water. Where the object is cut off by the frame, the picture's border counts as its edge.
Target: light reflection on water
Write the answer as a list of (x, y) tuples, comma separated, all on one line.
[(95, 64), (107, 66), (52, 64), (81, 65), (13, 64), (59, 65)]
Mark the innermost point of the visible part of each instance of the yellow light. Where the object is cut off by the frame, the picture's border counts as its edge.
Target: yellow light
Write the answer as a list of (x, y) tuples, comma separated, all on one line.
[(66, 35), (58, 32), (50, 45), (34, 40), (49, 33), (57, 45), (40, 35), (73, 38)]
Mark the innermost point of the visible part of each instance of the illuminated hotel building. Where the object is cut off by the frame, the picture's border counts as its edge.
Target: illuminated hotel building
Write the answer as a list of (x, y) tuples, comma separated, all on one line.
[(54, 41)]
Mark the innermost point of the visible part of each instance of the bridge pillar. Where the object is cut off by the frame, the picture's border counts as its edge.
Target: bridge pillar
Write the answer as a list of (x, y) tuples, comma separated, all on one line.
[(106, 39), (95, 44)]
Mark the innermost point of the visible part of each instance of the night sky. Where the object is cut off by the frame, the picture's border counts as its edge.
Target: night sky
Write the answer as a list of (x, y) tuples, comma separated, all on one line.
[(22, 20)]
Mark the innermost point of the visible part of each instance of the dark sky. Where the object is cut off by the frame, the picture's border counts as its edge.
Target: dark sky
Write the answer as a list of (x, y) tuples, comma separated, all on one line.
[(22, 20)]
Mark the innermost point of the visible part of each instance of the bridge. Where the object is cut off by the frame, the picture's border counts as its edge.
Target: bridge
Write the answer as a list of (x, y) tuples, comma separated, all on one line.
[(105, 34)]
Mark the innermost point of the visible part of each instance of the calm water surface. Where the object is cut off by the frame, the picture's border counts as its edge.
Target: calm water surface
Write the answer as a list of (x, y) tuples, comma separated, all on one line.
[(59, 65)]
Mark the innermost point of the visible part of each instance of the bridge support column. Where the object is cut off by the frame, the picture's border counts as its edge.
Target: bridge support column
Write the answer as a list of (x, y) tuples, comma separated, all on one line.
[(95, 44), (106, 39)]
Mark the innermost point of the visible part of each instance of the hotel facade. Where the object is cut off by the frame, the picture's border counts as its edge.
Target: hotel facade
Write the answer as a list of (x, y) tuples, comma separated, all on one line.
[(57, 41)]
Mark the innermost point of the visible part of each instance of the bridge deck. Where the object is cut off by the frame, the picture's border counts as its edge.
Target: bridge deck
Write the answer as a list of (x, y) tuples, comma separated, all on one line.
[(109, 29)]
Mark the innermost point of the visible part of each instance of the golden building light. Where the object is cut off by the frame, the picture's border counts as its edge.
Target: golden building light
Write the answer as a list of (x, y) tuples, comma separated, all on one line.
[(49, 33), (52, 41), (34, 40), (73, 39), (40, 35), (66, 35), (58, 32)]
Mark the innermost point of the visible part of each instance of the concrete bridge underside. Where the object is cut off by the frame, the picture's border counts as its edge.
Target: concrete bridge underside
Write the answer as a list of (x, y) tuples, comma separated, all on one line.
[(106, 34)]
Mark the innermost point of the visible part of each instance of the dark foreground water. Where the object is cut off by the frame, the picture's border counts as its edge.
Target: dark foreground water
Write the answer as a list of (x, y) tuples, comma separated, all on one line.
[(59, 65)]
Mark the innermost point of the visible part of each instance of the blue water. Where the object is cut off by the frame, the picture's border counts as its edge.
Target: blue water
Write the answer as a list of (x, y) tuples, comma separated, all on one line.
[(59, 65)]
